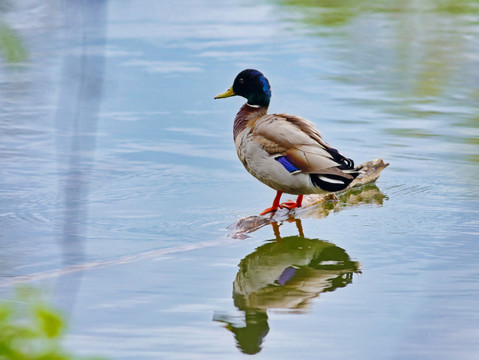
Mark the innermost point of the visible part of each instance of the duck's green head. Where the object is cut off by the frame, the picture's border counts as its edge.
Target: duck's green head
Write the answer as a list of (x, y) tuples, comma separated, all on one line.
[(252, 85)]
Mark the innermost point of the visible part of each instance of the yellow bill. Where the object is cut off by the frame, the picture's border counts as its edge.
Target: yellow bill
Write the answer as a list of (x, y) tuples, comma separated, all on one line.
[(226, 94)]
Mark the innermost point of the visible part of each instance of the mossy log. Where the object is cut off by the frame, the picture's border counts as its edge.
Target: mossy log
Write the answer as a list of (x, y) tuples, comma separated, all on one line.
[(361, 191)]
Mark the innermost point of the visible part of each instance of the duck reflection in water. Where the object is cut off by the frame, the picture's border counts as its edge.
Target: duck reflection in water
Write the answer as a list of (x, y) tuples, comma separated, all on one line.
[(285, 273)]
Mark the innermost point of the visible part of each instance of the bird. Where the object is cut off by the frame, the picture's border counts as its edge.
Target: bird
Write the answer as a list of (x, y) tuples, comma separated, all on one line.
[(285, 152)]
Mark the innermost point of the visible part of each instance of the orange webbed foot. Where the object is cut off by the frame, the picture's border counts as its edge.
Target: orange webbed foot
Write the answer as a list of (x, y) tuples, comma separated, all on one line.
[(271, 209), (275, 205), (290, 204)]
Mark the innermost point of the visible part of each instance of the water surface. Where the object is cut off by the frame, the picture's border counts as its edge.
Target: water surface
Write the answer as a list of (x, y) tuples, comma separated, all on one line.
[(120, 178)]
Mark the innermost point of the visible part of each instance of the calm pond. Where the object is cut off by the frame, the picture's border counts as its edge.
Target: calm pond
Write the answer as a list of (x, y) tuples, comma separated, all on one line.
[(120, 177)]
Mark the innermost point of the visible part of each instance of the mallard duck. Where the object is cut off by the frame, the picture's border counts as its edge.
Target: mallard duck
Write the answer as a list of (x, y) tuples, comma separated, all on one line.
[(285, 152)]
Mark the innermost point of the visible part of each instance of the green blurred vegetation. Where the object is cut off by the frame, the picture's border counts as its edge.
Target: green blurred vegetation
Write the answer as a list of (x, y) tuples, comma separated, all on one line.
[(11, 46), (338, 13), (31, 329)]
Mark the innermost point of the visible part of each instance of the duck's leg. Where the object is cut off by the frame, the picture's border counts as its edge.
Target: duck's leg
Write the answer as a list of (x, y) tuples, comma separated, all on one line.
[(275, 205), (300, 228), (290, 204), (276, 232)]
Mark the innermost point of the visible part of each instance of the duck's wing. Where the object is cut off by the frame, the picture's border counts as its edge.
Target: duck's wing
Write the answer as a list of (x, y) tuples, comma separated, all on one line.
[(298, 145)]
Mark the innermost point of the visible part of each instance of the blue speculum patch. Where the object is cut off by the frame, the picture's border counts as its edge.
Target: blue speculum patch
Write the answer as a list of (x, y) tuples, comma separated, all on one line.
[(287, 165)]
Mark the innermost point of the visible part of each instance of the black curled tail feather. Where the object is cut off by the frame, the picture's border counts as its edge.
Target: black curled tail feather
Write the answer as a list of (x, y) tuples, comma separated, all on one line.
[(344, 162), (347, 163)]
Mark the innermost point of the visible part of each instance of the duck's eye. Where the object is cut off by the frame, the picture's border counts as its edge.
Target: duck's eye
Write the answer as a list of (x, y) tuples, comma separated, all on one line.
[(241, 81)]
